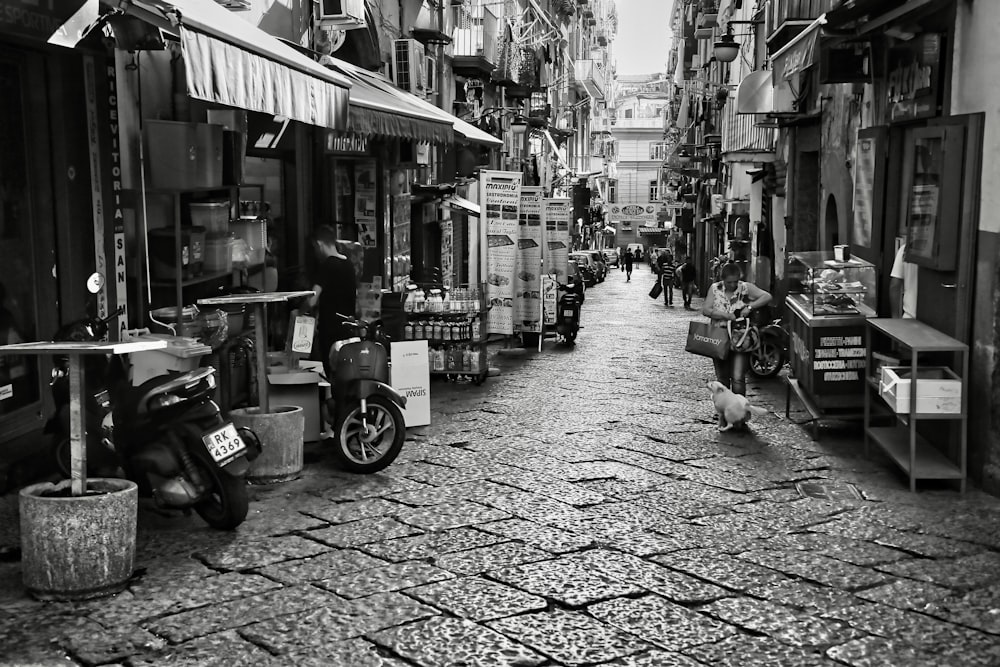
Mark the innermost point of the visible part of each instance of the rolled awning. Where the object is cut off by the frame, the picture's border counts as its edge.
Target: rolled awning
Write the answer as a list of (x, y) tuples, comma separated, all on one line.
[(800, 52), (232, 62)]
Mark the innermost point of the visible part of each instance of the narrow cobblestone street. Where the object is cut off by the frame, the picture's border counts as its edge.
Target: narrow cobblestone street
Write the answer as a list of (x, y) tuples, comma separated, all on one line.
[(581, 508)]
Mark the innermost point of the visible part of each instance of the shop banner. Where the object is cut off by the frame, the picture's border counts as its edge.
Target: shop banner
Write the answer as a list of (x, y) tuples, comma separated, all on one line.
[(641, 212), (365, 203), (411, 377), (500, 194), (556, 214), (549, 299), (527, 293)]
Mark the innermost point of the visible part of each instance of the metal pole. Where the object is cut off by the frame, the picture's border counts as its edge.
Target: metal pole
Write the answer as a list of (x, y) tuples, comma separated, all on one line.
[(77, 428), (259, 330)]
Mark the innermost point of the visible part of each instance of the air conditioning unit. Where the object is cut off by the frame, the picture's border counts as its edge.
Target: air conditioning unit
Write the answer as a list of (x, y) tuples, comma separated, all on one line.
[(430, 75), (408, 63), (342, 14)]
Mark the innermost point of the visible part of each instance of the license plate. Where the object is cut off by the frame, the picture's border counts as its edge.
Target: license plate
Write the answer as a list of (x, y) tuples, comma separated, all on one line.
[(567, 313), (224, 444)]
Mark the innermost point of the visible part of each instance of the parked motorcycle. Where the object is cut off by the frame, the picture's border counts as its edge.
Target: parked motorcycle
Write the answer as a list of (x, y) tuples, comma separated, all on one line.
[(568, 311), (767, 360), (364, 409), (167, 434)]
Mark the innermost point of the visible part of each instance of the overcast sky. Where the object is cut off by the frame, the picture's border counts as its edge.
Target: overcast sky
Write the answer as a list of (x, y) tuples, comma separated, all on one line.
[(643, 36)]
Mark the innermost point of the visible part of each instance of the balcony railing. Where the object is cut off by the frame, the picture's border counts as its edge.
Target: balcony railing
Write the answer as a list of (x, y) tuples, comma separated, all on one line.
[(589, 77), (786, 18), (474, 40)]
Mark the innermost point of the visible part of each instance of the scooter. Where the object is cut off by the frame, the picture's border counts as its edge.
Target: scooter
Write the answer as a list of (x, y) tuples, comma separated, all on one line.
[(364, 409), (167, 434), (767, 360), (568, 312)]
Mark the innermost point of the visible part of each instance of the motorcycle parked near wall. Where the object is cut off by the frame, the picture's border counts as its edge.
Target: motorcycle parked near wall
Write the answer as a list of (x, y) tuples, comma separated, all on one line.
[(364, 409), (568, 311), (167, 434), (767, 360)]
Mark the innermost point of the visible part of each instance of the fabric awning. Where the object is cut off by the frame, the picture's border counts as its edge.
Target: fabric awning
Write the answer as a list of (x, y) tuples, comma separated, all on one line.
[(463, 205), (232, 62), (800, 52), (755, 94)]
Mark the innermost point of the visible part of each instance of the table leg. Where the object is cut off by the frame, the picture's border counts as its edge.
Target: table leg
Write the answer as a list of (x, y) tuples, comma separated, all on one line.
[(77, 428), (260, 344)]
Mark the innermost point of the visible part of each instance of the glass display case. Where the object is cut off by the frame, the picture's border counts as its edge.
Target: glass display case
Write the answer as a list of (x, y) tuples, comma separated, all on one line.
[(821, 285)]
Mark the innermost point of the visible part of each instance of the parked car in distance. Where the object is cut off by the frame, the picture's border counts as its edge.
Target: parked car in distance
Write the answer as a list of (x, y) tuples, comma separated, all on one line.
[(601, 261), (611, 255), (575, 274), (585, 269), (588, 262)]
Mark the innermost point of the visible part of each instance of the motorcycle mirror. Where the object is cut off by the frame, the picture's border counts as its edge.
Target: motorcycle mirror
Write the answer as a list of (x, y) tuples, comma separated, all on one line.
[(95, 282)]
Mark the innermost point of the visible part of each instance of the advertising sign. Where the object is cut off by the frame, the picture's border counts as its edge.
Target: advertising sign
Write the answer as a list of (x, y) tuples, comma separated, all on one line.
[(549, 299), (642, 212), (501, 202), (528, 282), (556, 214), (411, 377)]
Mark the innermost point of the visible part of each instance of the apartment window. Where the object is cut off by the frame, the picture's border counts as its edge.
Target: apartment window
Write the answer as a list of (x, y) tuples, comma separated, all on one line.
[(654, 191), (658, 150), (612, 192), (628, 113)]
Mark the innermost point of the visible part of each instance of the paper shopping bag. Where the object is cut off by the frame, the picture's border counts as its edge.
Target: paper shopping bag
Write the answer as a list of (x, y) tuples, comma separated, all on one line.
[(707, 340), (303, 329)]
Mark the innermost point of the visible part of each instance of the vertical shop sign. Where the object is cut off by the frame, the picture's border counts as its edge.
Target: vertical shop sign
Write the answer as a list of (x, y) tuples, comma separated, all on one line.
[(447, 253), (527, 296), (549, 299), (114, 211), (864, 190), (501, 199), (96, 184), (365, 203), (556, 214)]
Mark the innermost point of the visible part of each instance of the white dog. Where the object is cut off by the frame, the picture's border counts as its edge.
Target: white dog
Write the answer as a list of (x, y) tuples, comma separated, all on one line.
[(733, 409)]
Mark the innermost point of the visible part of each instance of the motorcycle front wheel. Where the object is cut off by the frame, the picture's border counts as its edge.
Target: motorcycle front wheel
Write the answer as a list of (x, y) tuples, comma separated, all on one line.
[(227, 502), (369, 450), (766, 361)]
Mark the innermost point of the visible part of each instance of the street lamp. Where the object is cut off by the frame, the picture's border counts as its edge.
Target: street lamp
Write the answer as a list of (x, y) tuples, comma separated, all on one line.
[(518, 126), (727, 49)]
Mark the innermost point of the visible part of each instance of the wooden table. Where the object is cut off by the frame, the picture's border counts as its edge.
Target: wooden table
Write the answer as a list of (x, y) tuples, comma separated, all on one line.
[(259, 301), (77, 423)]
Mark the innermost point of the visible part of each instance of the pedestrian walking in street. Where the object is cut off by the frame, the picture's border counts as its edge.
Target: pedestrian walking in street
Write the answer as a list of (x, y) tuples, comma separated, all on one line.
[(665, 267), (687, 274), (728, 300), (627, 261)]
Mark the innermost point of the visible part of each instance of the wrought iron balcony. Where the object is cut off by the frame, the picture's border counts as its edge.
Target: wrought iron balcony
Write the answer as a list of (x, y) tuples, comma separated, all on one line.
[(787, 18), (588, 75), (474, 40)]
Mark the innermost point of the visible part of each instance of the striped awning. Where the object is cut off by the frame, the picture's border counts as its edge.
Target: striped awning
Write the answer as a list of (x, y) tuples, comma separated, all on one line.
[(740, 134)]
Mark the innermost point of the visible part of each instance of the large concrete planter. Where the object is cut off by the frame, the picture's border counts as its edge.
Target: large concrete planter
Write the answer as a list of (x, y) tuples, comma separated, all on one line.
[(78, 547), (280, 432)]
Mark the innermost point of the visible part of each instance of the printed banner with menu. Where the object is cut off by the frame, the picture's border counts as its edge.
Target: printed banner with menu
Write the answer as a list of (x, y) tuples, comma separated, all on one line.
[(641, 212), (500, 195), (528, 285), (556, 214)]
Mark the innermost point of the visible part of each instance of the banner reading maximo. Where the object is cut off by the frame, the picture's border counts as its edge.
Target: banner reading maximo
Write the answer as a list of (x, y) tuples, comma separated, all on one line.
[(500, 197), (556, 213), (527, 294), (634, 211)]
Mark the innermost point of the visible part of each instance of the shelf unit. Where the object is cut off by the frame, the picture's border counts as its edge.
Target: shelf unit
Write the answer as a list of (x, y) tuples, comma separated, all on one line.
[(917, 455), (477, 344)]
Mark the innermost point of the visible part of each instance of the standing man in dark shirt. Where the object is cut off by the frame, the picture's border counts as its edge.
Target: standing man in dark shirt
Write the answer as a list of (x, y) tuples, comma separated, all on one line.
[(688, 275), (336, 290)]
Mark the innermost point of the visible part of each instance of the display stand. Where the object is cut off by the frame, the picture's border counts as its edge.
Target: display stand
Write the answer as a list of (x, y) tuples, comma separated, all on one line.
[(446, 333), (915, 454)]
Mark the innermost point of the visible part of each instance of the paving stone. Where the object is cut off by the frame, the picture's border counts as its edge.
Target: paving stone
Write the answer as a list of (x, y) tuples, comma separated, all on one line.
[(323, 566), (565, 580), (535, 506), (277, 522), (243, 555), (364, 531), (427, 545), (673, 585), (660, 621), (978, 609), (494, 556), (721, 569), (856, 552), (545, 537), (347, 487), (960, 573), (912, 628), (804, 596), (350, 652), (338, 620), (455, 642), (744, 650), (571, 638), (574, 472), (817, 567), (452, 515), (882, 652), (218, 649), (366, 508), (238, 613), (477, 599), (926, 546), (655, 658), (390, 577), (475, 490), (905, 594), (438, 475), (780, 622), (553, 487)]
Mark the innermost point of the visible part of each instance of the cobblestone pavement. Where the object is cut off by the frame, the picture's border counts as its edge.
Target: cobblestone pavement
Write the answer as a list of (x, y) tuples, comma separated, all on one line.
[(579, 509)]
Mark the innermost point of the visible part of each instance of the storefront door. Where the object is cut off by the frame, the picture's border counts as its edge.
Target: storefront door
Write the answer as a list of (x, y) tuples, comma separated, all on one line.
[(27, 289)]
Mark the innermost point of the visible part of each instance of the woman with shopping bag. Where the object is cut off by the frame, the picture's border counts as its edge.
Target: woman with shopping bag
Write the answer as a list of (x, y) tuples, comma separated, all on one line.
[(729, 303)]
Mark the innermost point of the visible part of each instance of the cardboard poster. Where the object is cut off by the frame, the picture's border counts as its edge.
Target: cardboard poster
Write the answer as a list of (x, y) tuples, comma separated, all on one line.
[(528, 282), (556, 214), (411, 377), (501, 203), (550, 299)]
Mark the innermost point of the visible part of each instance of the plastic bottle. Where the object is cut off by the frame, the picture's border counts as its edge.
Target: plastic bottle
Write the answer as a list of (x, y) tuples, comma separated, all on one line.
[(476, 328), (408, 331)]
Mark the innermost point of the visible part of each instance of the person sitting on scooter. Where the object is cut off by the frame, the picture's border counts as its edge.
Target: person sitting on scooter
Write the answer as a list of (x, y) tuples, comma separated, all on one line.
[(336, 290)]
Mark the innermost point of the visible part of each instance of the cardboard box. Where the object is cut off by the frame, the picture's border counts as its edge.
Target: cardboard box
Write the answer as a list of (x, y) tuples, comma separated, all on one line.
[(939, 390)]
